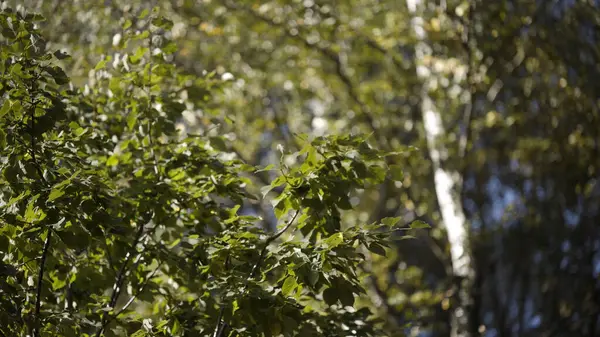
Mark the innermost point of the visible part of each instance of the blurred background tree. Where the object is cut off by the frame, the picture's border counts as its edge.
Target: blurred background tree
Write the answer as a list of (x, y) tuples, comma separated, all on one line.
[(501, 98)]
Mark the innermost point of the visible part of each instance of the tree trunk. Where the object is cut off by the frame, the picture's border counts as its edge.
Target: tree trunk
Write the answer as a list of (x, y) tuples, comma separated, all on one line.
[(447, 182)]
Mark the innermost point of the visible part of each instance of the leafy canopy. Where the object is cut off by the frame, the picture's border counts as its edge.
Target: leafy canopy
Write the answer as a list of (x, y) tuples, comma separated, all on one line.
[(114, 222)]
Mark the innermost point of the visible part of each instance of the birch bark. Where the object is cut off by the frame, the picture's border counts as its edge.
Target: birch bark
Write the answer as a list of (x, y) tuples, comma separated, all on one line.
[(447, 182)]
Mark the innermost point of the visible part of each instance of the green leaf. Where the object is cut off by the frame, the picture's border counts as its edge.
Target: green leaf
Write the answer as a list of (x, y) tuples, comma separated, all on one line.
[(112, 161), (218, 143), (397, 173), (144, 13), (346, 296), (35, 17), (176, 327), (334, 240), (61, 55), (55, 194), (313, 277), (236, 306), (170, 48), (177, 174), (282, 208), (2, 138), (289, 285), (391, 222), (30, 212), (80, 132), (344, 203), (269, 167), (100, 65), (138, 54), (17, 69), (330, 296), (265, 190), (163, 23), (142, 35), (139, 333), (127, 24), (132, 119), (5, 107), (377, 249), (58, 283), (419, 224)]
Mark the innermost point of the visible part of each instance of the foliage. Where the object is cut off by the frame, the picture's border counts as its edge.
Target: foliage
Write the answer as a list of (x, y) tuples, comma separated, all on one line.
[(115, 222), (515, 81)]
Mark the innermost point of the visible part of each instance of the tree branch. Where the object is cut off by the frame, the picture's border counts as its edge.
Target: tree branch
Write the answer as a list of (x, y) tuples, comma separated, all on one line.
[(467, 41), (119, 281), (134, 296), (326, 52), (38, 299), (220, 324)]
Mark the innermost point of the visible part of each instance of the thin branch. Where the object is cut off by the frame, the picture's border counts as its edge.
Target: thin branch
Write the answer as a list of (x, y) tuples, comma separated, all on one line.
[(38, 300), (123, 272), (326, 52), (467, 42), (150, 101), (220, 323), (272, 238), (119, 281), (111, 264), (342, 74), (134, 296), (123, 269), (377, 293)]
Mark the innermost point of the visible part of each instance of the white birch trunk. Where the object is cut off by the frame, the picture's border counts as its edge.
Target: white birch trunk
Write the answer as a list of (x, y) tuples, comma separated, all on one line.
[(447, 182)]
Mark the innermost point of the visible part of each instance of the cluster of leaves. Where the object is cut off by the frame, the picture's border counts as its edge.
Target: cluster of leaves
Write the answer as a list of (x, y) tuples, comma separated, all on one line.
[(515, 82), (113, 222)]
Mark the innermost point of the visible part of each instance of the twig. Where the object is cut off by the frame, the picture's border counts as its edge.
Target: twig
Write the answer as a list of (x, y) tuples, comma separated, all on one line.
[(111, 264), (106, 319), (38, 299), (150, 101), (119, 281), (467, 46), (328, 53), (268, 242), (220, 323), (134, 296)]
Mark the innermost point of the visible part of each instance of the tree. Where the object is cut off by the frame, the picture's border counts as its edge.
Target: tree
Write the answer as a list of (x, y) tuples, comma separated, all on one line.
[(514, 82), (115, 222), (446, 181)]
